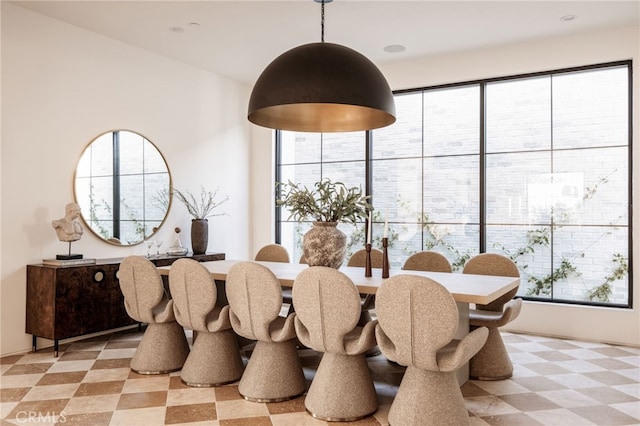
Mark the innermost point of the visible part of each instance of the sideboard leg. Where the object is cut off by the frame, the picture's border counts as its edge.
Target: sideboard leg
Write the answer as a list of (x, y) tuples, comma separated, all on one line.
[(33, 342), (55, 348)]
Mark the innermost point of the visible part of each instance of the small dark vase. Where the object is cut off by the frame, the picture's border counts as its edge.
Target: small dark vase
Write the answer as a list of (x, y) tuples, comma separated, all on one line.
[(199, 235), (324, 245)]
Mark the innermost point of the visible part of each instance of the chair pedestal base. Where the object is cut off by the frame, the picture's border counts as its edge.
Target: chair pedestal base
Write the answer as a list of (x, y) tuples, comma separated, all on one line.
[(492, 362), (428, 398), (214, 360), (342, 389), (163, 349), (273, 373)]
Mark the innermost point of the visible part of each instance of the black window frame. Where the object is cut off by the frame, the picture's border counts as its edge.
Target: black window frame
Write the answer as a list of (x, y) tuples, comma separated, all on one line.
[(483, 156)]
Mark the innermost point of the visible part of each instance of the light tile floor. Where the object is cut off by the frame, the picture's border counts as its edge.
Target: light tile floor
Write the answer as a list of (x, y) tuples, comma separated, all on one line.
[(555, 382)]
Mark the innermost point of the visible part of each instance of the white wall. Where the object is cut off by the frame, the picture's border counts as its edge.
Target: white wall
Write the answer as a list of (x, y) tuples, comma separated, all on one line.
[(61, 87), (262, 204), (588, 323)]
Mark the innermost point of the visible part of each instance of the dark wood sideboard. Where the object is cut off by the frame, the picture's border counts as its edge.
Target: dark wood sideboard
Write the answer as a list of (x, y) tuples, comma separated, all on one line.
[(70, 301)]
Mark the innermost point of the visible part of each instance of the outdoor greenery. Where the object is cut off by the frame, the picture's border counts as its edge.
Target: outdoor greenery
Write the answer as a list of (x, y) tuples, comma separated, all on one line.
[(536, 239), (357, 238), (304, 204), (97, 224), (603, 291), (93, 215)]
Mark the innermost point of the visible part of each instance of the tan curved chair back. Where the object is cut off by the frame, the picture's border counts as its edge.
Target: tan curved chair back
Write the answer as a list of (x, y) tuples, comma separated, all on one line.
[(327, 308), (415, 335), (255, 300), (427, 261), (272, 253), (359, 258), (493, 264), (142, 287), (194, 293)]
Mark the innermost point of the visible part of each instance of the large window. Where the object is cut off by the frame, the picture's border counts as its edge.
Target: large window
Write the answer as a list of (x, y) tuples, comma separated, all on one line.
[(308, 158), (534, 167)]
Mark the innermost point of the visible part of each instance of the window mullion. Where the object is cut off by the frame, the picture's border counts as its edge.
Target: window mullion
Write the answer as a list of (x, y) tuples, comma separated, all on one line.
[(483, 174)]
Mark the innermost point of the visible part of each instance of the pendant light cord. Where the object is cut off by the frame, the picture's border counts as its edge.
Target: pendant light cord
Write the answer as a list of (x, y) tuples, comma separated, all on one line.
[(322, 21)]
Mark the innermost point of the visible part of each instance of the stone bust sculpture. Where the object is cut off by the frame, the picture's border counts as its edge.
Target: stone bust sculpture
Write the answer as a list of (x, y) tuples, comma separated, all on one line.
[(69, 227)]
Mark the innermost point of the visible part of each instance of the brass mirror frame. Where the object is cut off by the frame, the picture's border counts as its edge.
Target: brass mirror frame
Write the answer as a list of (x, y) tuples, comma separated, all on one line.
[(85, 213)]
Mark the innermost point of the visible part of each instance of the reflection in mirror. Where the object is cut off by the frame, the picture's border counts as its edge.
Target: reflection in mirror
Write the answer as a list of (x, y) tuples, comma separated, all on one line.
[(122, 184)]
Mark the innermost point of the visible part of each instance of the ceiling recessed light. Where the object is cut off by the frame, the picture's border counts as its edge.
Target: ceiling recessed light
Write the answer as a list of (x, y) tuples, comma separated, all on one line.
[(395, 48), (568, 18), (194, 25), (176, 29)]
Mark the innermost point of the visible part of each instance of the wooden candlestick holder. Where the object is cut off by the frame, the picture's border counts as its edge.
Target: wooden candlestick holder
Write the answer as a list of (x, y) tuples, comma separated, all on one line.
[(385, 258), (367, 263)]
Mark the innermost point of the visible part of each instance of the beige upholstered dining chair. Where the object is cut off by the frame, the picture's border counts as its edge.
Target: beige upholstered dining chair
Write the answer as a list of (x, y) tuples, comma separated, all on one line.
[(215, 356), (367, 301), (326, 318), (272, 253), (493, 362), (359, 258), (277, 253), (427, 261), (274, 372), (164, 347), (423, 340)]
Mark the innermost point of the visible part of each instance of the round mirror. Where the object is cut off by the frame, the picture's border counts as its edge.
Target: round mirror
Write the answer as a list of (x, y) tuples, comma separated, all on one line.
[(123, 186)]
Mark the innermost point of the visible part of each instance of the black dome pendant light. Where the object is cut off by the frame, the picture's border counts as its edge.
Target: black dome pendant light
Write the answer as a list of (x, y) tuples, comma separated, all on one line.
[(322, 87)]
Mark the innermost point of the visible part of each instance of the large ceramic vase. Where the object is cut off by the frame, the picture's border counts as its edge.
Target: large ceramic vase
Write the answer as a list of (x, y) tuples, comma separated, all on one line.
[(324, 245), (199, 235)]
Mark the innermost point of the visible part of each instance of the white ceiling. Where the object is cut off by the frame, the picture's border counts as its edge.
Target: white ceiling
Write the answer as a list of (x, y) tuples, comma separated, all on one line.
[(239, 38)]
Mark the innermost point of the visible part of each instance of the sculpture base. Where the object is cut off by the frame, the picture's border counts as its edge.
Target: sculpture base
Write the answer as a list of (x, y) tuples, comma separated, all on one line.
[(68, 256)]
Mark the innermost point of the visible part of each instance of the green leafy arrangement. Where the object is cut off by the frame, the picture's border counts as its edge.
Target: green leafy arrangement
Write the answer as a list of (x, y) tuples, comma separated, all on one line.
[(327, 202)]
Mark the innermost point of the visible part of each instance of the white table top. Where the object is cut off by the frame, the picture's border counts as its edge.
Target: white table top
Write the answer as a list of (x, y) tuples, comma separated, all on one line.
[(466, 288)]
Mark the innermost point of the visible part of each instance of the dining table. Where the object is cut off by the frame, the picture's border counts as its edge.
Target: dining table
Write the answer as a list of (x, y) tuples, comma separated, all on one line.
[(466, 289)]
